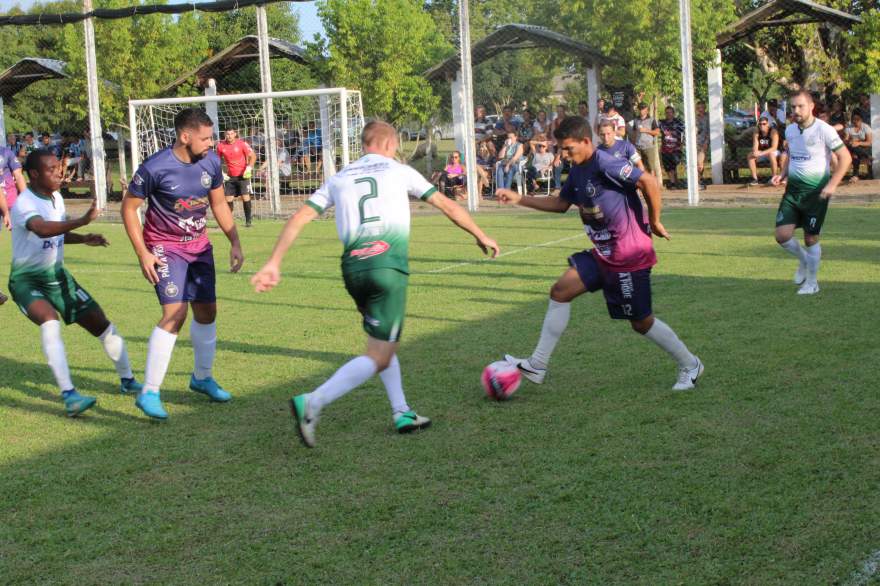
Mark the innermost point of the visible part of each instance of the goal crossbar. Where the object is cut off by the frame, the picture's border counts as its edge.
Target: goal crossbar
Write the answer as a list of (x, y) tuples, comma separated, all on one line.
[(239, 97)]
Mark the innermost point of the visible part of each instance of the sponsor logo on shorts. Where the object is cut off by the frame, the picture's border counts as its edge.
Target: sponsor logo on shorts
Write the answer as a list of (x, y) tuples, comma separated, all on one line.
[(35, 293), (371, 249), (626, 285), (372, 320), (206, 180), (780, 216), (171, 290)]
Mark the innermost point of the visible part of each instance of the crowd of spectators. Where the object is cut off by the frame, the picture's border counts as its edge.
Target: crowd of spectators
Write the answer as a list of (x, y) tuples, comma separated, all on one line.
[(74, 150)]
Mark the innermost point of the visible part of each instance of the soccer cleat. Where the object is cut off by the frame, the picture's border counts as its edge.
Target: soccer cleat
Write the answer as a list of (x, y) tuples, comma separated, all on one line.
[(809, 288), (151, 405), (130, 385), (305, 419), (76, 404), (208, 386), (536, 375), (410, 421), (687, 377), (800, 275)]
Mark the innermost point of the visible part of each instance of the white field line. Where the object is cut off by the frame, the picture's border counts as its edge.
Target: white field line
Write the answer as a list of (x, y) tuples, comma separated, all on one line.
[(508, 253), (868, 570)]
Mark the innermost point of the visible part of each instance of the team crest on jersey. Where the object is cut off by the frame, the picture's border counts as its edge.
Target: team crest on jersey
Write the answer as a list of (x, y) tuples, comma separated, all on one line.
[(171, 290), (371, 249), (206, 180), (138, 180)]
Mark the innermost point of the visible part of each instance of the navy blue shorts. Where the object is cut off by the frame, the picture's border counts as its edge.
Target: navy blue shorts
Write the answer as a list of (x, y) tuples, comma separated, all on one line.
[(627, 295), (185, 276)]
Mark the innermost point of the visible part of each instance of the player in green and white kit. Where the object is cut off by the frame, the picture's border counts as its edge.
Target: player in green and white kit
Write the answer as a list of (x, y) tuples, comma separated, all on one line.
[(807, 164), (41, 286), (371, 197)]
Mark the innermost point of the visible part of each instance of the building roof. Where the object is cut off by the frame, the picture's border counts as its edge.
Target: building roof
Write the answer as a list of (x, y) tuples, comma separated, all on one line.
[(777, 13), (27, 71), (514, 37), (236, 56)]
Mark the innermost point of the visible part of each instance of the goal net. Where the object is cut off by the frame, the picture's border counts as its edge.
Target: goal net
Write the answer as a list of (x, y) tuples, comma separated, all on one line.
[(315, 132)]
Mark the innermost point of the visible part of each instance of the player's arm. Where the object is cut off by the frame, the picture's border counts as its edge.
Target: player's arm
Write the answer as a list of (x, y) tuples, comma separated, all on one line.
[(844, 160), (46, 229), (87, 239), (651, 192), (223, 215), (20, 183), (4, 209), (544, 204), (129, 211), (755, 150), (269, 276), (774, 141), (463, 220)]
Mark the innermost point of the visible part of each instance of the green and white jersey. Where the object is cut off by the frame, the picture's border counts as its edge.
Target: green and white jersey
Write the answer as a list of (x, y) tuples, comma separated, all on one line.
[(809, 154), (30, 253), (371, 196)]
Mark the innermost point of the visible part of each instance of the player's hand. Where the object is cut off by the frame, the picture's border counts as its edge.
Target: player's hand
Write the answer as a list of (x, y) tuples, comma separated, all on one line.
[(508, 196), (266, 278), (236, 258), (149, 262), (488, 246), (827, 192), (6, 223), (659, 230), (776, 180), (92, 213), (248, 172), (95, 240)]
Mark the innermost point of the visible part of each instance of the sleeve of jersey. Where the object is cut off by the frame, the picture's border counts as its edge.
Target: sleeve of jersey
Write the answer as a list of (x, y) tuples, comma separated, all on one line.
[(621, 171), (832, 139), (321, 199), (567, 191), (216, 172), (418, 186), (23, 211), (13, 163), (632, 154), (141, 183)]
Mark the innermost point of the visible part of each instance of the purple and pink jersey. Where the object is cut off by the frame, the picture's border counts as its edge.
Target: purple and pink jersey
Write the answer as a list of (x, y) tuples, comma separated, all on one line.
[(604, 189), (8, 164), (177, 198)]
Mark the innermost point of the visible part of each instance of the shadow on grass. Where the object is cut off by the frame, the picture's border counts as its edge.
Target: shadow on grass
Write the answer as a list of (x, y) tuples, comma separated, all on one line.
[(599, 476)]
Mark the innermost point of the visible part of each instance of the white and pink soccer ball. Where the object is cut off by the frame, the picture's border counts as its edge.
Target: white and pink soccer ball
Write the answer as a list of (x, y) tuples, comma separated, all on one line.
[(500, 380)]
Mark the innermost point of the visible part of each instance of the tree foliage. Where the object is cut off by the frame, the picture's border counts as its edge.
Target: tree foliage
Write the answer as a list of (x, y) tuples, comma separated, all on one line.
[(864, 54)]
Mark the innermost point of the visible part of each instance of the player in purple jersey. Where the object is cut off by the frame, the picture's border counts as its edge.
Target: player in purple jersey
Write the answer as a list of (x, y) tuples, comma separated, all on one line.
[(604, 190), (180, 183), (11, 184), (617, 147)]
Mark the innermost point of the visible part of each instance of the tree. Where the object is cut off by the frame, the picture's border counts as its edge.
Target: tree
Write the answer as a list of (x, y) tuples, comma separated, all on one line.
[(864, 54)]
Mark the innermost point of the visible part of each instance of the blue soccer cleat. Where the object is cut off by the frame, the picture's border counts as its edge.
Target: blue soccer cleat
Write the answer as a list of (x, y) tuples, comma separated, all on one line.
[(208, 386), (128, 386), (76, 404), (151, 405)]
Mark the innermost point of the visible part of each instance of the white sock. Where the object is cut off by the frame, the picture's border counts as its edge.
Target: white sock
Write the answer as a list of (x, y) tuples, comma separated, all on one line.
[(662, 335), (394, 386), (794, 247), (114, 346), (204, 343), (53, 349), (352, 374), (814, 257), (159, 351), (555, 322)]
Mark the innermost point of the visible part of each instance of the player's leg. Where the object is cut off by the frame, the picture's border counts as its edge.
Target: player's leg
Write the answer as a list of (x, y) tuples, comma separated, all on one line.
[(97, 324), (689, 366), (200, 292), (753, 167), (230, 189), (788, 218), (814, 209), (246, 201), (582, 276)]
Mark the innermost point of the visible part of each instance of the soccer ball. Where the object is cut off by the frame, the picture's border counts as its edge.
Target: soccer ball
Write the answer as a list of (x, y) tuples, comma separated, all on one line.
[(500, 380)]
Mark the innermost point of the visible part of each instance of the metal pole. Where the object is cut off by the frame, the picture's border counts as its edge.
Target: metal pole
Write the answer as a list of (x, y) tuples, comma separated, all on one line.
[(98, 158), (343, 127), (211, 107), (2, 121), (690, 116), (716, 120), (467, 106), (268, 110)]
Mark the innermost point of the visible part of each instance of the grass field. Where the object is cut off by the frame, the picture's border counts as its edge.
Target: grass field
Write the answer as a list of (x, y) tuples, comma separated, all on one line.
[(766, 474)]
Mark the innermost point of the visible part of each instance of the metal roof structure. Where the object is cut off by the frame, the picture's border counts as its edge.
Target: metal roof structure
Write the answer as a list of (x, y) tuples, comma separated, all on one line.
[(776, 13), (235, 57), (515, 37), (27, 71)]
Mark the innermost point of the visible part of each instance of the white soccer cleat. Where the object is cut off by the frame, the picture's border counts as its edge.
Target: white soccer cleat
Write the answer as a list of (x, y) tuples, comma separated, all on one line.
[(800, 275), (687, 377), (536, 375), (306, 419), (809, 288)]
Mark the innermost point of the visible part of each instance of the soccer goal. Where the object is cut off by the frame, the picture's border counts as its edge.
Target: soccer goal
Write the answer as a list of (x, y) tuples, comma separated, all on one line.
[(315, 132)]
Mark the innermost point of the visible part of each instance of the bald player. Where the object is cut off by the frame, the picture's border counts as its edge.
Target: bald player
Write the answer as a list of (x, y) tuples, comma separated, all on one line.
[(371, 196)]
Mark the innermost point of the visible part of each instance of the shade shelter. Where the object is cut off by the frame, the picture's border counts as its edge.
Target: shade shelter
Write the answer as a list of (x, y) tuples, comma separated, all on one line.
[(24, 73)]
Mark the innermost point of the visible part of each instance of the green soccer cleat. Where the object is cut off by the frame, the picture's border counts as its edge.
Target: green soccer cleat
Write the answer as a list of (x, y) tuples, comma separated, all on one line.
[(410, 421), (208, 386), (76, 404), (306, 419), (128, 386)]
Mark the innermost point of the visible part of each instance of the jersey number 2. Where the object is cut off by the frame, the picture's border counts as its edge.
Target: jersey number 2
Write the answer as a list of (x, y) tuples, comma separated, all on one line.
[(374, 192)]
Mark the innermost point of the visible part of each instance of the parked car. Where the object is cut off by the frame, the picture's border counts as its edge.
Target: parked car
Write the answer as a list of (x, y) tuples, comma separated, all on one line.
[(441, 131), (739, 119)]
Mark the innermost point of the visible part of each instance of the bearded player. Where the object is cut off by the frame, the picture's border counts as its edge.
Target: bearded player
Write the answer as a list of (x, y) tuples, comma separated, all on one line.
[(371, 197), (175, 255), (807, 165), (239, 158), (619, 264)]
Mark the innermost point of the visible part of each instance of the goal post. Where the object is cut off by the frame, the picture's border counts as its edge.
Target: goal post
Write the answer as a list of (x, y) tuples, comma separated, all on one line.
[(315, 132)]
